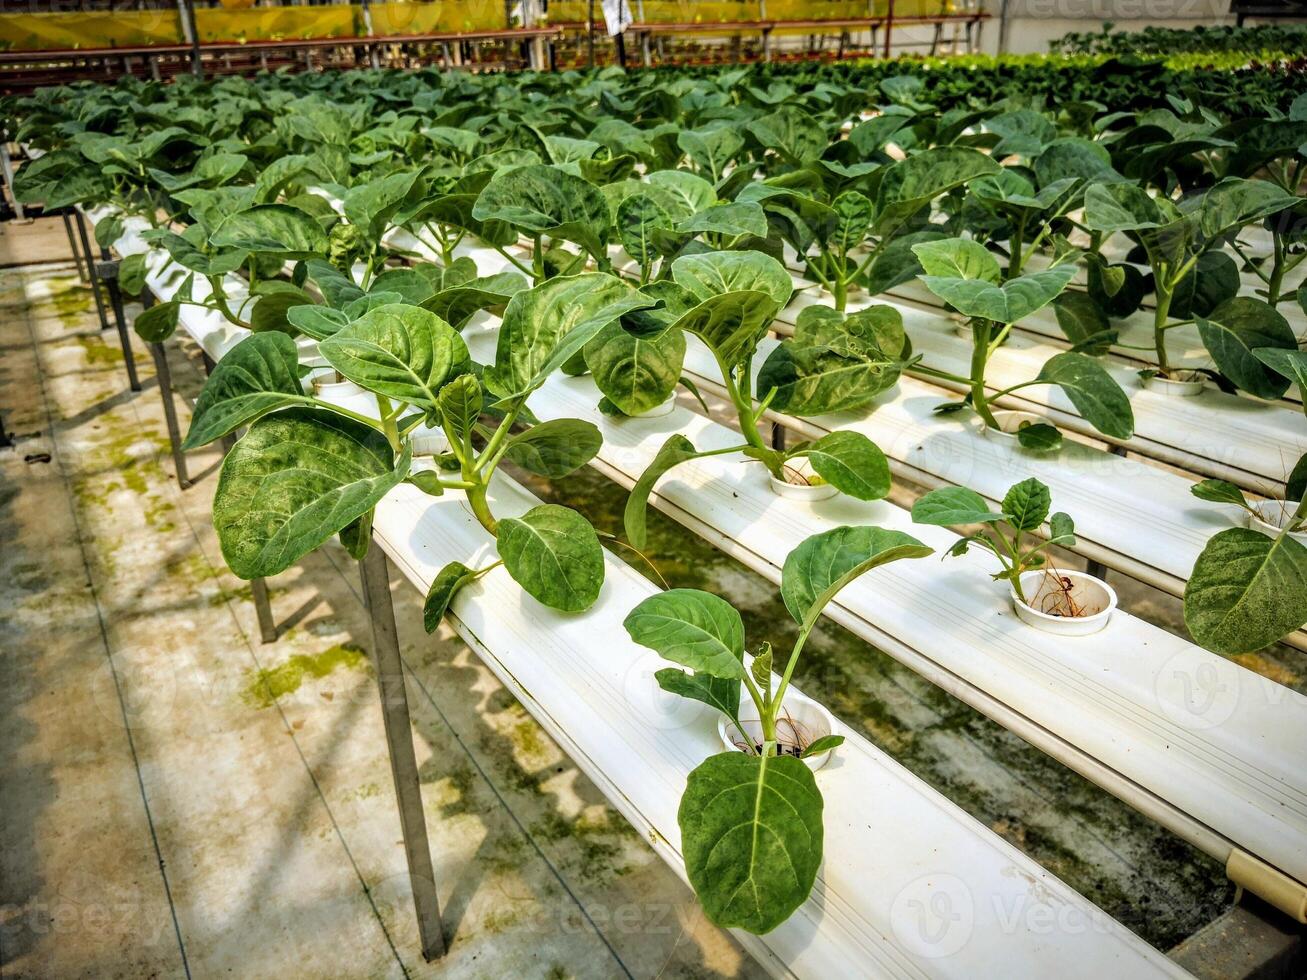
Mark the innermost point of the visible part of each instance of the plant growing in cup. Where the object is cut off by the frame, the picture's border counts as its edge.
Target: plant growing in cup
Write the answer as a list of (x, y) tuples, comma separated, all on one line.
[(1038, 589), (728, 300), (751, 818), (966, 276)]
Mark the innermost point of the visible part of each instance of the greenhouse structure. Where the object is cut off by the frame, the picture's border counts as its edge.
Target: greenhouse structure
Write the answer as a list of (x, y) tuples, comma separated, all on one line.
[(653, 489)]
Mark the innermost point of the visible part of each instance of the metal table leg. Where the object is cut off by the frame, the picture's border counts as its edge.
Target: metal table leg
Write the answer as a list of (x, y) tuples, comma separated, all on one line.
[(107, 271), (72, 244), (90, 270), (164, 376), (399, 742)]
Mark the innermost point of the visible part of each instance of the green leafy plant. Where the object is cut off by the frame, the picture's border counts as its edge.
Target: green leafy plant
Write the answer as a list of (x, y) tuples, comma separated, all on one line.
[(751, 820), (1194, 279), (967, 277), (727, 300), (308, 468), (1246, 589), (1025, 509)]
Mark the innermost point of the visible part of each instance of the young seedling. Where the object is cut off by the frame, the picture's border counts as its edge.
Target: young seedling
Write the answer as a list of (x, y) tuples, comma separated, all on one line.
[(728, 300), (754, 817), (967, 277), (1025, 510)]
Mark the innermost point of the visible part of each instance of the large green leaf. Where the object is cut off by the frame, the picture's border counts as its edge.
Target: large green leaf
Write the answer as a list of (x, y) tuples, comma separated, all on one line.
[(1234, 203), (1003, 303), (953, 506), (544, 200), (1290, 364), (555, 448), (257, 376), (711, 149), (636, 370), (958, 258), (371, 205), (399, 351), (1246, 591), (695, 629), (1121, 207), (538, 322), (1026, 504), (272, 229), (824, 563), (1093, 391), (732, 219), (638, 217), (851, 463), (457, 303), (674, 451), (714, 273), (1236, 328), (554, 554), (731, 324), (751, 834), (841, 366), (910, 185), (292, 481)]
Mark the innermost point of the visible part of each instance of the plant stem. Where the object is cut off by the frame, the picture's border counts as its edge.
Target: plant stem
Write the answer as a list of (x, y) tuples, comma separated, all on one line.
[(1164, 294), (476, 498), (1276, 280), (979, 359), (538, 262)]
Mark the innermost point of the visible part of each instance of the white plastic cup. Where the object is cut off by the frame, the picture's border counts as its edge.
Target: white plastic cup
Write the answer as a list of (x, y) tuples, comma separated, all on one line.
[(1273, 516), (1010, 423), (1185, 384), (1096, 597), (801, 491), (811, 720)]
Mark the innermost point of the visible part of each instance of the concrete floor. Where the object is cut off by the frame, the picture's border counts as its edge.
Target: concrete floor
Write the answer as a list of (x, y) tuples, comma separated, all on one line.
[(179, 798)]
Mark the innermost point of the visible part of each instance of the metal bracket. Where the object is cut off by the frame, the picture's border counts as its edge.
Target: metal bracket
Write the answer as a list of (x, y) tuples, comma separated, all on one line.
[(399, 743), (107, 272), (90, 268)]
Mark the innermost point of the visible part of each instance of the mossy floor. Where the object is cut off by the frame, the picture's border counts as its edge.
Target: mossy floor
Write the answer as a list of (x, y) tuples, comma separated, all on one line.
[(177, 796)]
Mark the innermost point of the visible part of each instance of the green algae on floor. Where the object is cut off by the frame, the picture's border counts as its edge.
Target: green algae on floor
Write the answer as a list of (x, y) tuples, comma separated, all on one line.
[(266, 686), (98, 353)]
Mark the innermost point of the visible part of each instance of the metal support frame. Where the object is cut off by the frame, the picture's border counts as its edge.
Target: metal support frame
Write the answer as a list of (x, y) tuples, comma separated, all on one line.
[(399, 743), (91, 275), (107, 271), (163, 375), (72, 246)]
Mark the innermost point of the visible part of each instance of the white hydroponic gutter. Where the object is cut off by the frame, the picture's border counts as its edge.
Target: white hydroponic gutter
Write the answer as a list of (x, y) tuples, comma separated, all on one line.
[(1124, 707), (1253, 444), (912, 886), (1132, 516)]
